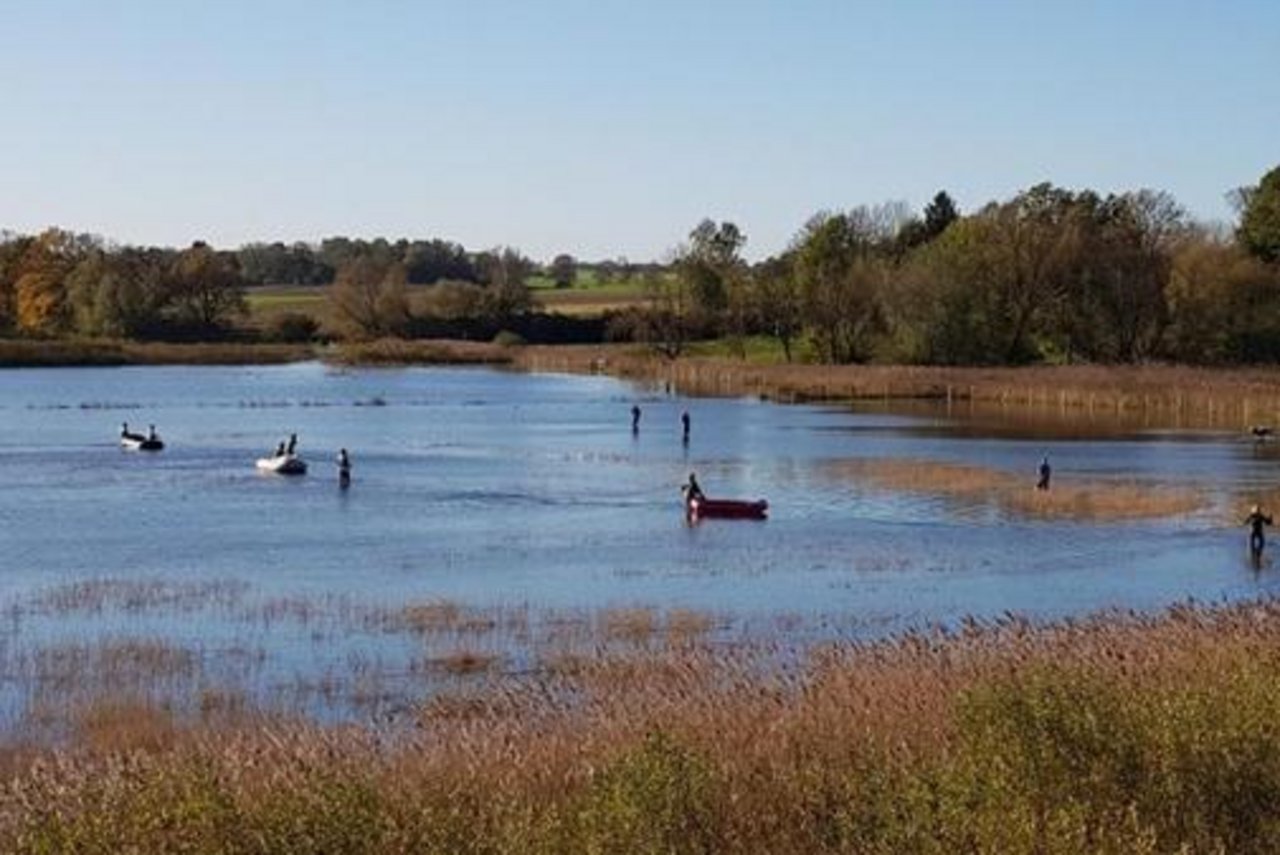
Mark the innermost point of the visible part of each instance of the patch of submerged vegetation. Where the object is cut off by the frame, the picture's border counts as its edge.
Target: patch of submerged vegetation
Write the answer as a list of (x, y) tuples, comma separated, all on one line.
[(1116, 734), (1091, 501)]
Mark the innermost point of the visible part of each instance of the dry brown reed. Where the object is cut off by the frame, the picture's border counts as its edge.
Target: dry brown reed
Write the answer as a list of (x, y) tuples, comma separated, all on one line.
[(395, 351), (1090, 735), (17, 353), (1163, 395), (1094, 501)]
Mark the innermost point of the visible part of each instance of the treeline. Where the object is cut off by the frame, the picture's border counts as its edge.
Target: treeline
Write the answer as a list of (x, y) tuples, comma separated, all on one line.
[(1049, 275), (423, 262), (58, 283)]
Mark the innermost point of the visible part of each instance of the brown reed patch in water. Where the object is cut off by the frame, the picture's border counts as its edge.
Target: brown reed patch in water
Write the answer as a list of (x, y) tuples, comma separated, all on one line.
[(460, 663), (1095, 501)]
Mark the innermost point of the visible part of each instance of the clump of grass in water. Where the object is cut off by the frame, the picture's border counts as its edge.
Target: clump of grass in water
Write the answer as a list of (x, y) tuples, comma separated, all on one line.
[(1098, 501)]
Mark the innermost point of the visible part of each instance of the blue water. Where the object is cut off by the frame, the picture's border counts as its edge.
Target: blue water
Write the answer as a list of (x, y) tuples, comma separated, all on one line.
[(486, 486)]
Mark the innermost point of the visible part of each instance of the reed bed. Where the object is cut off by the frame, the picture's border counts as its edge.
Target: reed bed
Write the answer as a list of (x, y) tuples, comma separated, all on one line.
[(23, 353), (1167, 395), (1121, 733), (395, 351), (1095, 501)]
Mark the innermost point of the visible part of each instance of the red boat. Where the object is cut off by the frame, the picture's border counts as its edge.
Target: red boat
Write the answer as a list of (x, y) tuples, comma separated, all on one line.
[(734, 509)]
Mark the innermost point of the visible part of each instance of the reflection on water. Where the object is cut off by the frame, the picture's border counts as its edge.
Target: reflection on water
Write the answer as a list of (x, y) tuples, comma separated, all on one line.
[(489, 488)]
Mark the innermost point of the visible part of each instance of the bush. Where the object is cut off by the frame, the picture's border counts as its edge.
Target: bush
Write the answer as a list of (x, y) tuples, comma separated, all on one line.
[(293, 327), (507, 338)]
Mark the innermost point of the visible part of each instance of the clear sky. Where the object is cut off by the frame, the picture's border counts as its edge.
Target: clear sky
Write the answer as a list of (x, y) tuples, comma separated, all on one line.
[(610, 127)]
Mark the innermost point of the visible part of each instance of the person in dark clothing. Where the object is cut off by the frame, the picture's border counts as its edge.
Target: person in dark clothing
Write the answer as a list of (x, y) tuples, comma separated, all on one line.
[(635, 418), (1045, 472), (151, 433), (692, 490), (293, 443), (280, 450), (344, 469), (684, 425), (1257, 522)]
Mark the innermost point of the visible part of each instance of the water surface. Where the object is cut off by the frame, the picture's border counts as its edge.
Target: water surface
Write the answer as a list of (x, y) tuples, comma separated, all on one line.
[(488, 486)]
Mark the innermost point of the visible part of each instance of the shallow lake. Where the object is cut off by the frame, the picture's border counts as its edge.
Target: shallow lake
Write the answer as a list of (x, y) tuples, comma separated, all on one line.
[(488, 487), (485, 486)]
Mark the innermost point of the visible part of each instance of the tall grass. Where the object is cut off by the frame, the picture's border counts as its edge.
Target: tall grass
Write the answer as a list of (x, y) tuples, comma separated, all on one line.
[(396, 351), (1167, 395), (1118, 734), (22, 353)]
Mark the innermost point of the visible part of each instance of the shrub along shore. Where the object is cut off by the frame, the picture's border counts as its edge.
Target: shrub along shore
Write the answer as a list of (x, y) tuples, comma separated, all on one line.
[(1117, 734)]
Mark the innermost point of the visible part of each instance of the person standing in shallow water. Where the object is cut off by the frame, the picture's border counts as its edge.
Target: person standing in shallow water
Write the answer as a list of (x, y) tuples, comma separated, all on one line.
[(1257, 522), (1045, 472), (344, 469), (635, 418), (684, 426)]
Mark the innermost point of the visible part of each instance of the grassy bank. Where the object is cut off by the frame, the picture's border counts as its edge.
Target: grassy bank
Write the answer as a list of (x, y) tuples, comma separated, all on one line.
[(1121, 734)]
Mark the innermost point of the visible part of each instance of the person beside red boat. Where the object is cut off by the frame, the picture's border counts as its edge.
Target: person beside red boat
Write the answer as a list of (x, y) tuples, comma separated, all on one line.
[(697, 506)]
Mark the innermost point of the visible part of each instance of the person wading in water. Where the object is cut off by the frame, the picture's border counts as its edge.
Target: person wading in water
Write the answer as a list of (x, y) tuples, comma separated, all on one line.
[(1257, 522), (344, 469)]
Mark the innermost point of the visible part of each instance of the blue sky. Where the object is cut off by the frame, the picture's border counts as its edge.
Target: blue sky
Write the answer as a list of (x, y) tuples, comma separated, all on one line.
[(607, 127)]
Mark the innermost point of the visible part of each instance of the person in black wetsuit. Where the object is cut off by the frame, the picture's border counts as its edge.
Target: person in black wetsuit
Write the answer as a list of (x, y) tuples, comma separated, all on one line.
[(692, 490), (279, 450), (344, 469), (1045, 472), (635, 418), (293, 443), (1257, 522), (684, 425)]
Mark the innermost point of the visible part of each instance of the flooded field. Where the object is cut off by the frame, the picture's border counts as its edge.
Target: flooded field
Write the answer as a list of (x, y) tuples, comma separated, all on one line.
[(500, 522)]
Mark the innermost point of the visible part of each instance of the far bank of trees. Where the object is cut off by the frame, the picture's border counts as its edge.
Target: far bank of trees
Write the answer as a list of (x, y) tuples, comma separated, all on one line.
[(1051, 274), (1048, 275), (58, 283)]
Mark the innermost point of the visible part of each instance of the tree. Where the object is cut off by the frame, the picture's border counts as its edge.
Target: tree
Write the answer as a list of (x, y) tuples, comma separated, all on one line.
[(428, 262), (841, 272), (1224, 303), (369, 299), (778, 305), (710, 264), (121, 292), (563, 270), (938, 214), (206, 288), (40, 290), (504, 273), (665, 322), (13, 248), (1259, 231)]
